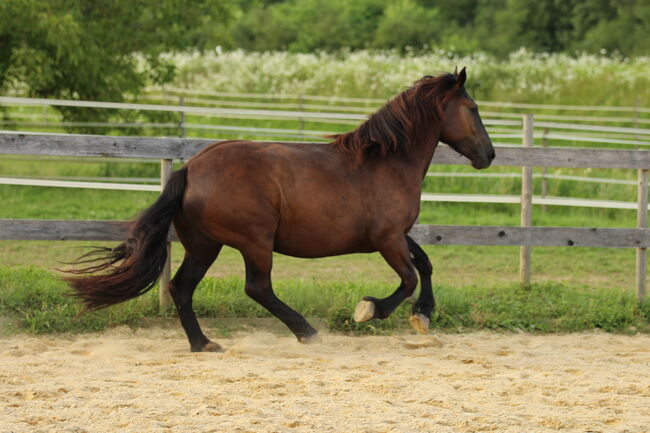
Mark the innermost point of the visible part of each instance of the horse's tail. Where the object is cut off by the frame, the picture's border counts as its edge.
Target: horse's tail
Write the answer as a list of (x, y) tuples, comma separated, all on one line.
[(142, 256)]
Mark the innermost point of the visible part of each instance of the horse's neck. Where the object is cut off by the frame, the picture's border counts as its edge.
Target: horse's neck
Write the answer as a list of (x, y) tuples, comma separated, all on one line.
[(415, 163)]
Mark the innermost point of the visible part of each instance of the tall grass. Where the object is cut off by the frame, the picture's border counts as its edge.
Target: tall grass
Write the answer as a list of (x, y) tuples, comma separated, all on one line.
[(523, 77)]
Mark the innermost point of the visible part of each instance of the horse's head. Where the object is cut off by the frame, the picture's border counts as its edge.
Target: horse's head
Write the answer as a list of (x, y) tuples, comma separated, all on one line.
[(463, 129)]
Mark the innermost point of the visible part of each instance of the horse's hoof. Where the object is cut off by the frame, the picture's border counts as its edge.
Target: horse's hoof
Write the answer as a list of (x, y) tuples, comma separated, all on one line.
[(420, 322), (310, 339), (211, 346), (365, 311)]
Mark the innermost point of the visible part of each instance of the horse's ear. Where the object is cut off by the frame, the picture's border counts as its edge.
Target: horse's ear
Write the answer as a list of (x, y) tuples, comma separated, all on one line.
[(460, 78), (456, 70)]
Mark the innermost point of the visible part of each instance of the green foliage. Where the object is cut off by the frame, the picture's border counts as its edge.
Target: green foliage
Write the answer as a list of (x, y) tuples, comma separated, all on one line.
[(407, 24), (495, 26), (622, 27), (308, 25), (100, 50)]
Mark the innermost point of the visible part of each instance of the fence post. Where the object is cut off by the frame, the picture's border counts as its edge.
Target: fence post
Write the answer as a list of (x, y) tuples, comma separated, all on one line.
[(642, 223), (164, 297), (301, 107), (181, 123), (544, 170), (526, 204), (637, 105)]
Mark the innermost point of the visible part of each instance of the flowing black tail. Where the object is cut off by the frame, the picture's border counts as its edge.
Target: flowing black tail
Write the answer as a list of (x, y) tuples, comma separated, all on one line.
[(142, 256)]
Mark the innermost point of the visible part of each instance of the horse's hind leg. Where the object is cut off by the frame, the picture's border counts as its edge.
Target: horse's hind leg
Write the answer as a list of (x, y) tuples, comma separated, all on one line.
[(396, 254), (258, 286), (182, 286), (423, 307)]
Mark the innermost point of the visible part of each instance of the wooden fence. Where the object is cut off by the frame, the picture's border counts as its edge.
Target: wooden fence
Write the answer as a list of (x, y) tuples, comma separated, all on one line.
[(168, 149), (502, 126)]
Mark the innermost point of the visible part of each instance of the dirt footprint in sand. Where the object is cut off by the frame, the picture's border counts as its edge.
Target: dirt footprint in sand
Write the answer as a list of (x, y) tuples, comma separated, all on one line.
[(423, 343)]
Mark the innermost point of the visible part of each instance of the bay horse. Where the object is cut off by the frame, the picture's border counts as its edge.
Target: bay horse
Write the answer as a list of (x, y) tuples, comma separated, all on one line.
[(358, 194)]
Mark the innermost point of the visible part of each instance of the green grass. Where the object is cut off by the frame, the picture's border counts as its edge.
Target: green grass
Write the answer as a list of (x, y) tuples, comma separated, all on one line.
[(37, 302)]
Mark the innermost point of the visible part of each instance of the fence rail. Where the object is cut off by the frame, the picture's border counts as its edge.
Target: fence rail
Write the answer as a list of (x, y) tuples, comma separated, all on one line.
[(183, 148), (84, 230), (241, 95), (570, 126)]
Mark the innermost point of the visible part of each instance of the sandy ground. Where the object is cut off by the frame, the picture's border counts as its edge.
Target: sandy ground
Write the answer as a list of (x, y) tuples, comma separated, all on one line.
[(147, 381)]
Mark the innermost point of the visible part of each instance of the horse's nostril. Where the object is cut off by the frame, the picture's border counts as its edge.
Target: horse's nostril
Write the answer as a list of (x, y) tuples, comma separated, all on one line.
[(492, 155)]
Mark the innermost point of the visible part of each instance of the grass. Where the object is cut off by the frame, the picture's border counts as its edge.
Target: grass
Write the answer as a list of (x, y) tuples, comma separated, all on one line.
[(37, 301)]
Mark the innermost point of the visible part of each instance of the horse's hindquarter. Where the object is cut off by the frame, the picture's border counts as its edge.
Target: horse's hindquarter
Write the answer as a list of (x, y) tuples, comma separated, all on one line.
[(304, 200), (230, 196)]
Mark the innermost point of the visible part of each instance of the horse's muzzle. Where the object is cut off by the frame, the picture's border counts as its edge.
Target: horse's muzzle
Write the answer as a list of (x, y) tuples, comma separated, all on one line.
[(483, 160)]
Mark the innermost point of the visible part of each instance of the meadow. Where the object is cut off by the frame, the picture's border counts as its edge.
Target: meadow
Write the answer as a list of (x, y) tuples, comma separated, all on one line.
[(584, 79), (574, 288)]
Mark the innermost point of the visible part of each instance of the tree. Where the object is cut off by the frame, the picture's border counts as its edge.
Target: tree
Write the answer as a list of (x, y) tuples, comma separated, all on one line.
[(622, 26), (101, 49), (308, 25), (407, 24)]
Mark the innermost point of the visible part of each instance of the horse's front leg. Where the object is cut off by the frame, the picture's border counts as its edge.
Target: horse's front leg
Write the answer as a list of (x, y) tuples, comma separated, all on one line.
[(396, 254), (423, 307)]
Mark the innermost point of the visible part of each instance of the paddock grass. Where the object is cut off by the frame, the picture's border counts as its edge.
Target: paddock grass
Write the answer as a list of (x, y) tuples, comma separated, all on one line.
[(36, 301), (476, 288)]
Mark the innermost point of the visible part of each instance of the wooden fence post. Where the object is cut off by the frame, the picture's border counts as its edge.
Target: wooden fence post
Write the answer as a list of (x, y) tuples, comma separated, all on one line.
[(642, 223), (164, 297), (526, 203), (181, 122), (544, 170), (301, 107)]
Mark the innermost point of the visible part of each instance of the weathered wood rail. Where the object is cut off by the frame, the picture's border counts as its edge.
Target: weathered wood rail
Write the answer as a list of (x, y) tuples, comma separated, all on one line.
[(168, 149), (101, 230), (183, 148)]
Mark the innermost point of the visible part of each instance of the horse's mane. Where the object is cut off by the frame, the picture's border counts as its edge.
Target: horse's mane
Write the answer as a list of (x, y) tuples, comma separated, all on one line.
[(401, 122)]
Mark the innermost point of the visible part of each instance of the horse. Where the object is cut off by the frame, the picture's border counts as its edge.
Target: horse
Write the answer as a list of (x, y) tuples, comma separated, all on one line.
[(360, 193)]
